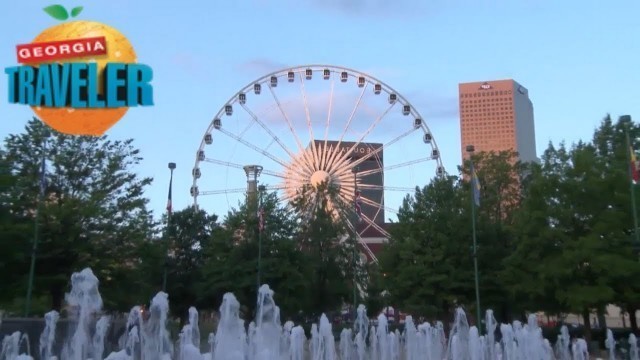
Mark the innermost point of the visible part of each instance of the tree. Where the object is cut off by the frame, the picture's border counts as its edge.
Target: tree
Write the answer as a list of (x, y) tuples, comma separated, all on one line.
[(93, 212), (14, 247), (427, 261), (232, 253), (584, 253), (501, 175), (187, 235), (325, 239)]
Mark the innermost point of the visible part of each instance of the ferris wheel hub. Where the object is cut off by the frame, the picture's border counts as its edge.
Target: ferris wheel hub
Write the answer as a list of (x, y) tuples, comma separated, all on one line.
[(320, 177)]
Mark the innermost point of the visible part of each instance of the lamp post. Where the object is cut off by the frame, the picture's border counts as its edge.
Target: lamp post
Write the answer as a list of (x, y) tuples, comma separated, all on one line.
[(36, 226), (172, 166), (470, 149), (355, 237), (261, 190)]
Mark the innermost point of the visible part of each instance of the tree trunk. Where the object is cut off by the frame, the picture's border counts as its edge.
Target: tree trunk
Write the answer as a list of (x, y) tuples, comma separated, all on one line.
[(505, 314), (633, 322), (445, 316), (602, 320), (587, 325), (57, 296)]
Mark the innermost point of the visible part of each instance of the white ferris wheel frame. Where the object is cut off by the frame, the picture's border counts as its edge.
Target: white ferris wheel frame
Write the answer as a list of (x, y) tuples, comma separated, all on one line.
[(328, 72)]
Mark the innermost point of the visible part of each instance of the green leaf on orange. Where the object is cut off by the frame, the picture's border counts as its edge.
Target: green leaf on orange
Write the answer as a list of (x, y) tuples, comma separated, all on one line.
[(57, 12), (76, 11)]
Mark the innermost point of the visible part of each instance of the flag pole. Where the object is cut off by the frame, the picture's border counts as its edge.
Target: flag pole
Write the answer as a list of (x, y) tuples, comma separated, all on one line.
[(172, 166), (261, 190), (631, 167), (470, 149), (36, 227)]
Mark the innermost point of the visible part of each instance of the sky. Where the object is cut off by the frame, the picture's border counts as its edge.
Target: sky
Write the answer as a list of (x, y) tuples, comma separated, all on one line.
[(579, 60)]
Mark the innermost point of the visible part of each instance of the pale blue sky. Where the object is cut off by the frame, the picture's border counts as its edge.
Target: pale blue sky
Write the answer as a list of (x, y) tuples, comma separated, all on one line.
[(579, 60)]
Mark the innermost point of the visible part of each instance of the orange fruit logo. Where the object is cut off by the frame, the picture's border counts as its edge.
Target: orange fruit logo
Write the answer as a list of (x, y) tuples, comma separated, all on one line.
[(80, 77)]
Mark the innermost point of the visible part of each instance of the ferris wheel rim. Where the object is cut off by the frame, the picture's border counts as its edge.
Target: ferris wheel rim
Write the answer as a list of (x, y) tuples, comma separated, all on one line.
[(298, 68), (284, 72)]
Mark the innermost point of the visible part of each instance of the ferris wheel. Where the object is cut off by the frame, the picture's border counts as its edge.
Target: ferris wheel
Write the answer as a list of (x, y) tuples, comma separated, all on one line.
[(300, 127)]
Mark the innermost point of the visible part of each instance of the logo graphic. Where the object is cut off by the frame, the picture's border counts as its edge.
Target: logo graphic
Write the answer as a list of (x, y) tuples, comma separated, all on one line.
[(79, 77), (485, 86)]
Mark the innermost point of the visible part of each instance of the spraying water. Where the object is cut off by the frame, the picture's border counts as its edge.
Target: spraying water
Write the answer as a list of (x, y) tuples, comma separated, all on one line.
[(231, 336), (48, 334), (633, 348), (84, 301), (98, 337), (459, 337), (268, 330), (298, 339), (146, 336), (610, 344)]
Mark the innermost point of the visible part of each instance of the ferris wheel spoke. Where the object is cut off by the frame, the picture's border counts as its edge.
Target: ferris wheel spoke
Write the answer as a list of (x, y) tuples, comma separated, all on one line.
[(360, 241), (226, 191), (252, 146), (373, 224), (373, 125), (376, 151), (241, 167), (303, 161), (394, 166), (314, 151), (353, 112), (298, 170), (274, 174), (277, 187), (385, 188), (286, 118), (323, 161), (266, 128), (377, 205), (349, 120)]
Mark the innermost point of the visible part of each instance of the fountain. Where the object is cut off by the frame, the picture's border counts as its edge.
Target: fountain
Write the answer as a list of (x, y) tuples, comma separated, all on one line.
[(610, 344), (84, 301), (325, 346), (146, 336), (231, 336), (633, 347), (298, 339), (48, 334)]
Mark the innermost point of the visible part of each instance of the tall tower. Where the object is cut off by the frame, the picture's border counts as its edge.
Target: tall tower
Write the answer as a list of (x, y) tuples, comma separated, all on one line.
[(253, 173), (497, 116)]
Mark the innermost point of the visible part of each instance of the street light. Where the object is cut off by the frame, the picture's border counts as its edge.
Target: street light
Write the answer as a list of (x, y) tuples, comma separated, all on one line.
[(470, 149), (261, 190), (172, 166)]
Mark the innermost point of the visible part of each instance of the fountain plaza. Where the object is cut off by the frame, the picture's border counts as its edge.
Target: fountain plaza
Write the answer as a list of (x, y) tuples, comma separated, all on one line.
[(146, 336)]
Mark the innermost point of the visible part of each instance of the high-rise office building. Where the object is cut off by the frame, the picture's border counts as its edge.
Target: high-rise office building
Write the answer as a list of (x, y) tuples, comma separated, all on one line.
[(497, 116)]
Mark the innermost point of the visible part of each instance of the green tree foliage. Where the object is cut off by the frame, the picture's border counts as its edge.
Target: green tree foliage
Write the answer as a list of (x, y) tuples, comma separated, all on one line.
[(93, 211), (329, 247), (189, 231), (500, 175), (427, 262), (429, 255), (232, 253), (14, 246), (575, 225)]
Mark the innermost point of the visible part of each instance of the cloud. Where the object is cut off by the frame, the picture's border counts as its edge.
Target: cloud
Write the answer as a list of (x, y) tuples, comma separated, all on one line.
[(260, 65), (373, 8)]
